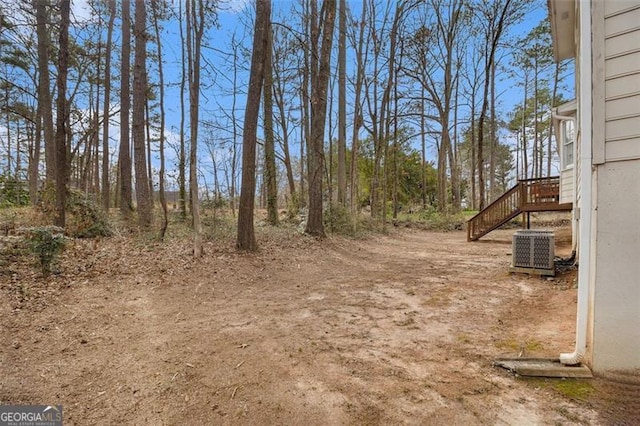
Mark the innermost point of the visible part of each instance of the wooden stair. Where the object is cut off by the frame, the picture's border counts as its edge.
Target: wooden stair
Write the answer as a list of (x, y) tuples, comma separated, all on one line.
[(529, 195)]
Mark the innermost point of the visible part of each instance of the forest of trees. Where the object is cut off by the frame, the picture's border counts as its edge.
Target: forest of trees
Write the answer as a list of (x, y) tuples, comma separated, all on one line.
[(305, 105)]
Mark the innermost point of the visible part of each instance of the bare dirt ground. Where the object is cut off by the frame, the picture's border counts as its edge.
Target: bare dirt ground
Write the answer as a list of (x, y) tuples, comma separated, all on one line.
[(393, 329)]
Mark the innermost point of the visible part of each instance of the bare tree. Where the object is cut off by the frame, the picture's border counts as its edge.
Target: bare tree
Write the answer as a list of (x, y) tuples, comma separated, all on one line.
[(496, 17), (320, 68), (126, 196), (433, 61), (143, 196), (62, 115), (182, 157), (246, 237), (163, 200), (280, 55), (269, 141), (44, 93), (195, 31), (342, 104), (357, 112), (111, 4)]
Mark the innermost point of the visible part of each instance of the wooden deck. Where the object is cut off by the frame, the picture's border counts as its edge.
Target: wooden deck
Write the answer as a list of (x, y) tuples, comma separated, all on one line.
[(529, 195)]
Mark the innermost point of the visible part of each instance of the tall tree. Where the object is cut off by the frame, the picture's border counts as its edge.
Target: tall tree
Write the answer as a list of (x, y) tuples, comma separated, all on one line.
[(434, 67), (182, 156), (45, 114), (357, 112), (342, 104), (495, 17), (269, 140), (281, 53), (195, 32), (320, 68), (124, 156), (161, 178), (246, 236), (62, 115), (143, 196), (111, 4)]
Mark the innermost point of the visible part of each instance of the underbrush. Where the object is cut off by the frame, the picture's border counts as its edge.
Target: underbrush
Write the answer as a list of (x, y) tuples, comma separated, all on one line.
[(85, 217), (432, 220), (340, 221)]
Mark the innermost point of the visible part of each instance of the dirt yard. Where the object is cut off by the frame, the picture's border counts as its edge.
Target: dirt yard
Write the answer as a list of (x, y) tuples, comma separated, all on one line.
[(392, 329)]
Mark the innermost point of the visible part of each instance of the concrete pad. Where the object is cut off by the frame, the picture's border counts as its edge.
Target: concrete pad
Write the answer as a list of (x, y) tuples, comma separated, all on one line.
[(543, 367)]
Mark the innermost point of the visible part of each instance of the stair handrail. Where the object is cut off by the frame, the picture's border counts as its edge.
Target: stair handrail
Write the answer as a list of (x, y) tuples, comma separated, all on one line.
[(519, 197), (514, 192)]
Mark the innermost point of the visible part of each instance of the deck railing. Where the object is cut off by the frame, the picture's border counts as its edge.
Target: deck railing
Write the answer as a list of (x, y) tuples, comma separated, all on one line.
[(528, 195)]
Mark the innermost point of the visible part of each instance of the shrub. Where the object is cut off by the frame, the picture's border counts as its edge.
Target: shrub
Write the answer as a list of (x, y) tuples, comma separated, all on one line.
[(338, 220), (46, 243), (87, 219), (7, 221), (12, 192)]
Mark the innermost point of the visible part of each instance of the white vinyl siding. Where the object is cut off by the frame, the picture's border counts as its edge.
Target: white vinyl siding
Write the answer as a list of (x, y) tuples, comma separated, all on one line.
[(566, 186), (623, 86), (622, 80)]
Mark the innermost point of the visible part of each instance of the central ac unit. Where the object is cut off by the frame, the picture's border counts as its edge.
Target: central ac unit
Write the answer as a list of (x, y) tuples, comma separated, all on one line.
[(533, 252)]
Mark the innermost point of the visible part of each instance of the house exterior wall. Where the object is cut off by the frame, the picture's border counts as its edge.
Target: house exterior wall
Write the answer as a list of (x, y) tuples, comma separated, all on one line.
[(567, 172), (616, 291), (614, 323), (566, 186), (621, 79), (606, 172)]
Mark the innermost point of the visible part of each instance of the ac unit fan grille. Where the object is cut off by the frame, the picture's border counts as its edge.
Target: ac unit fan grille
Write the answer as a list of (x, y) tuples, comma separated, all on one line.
[(533, 249)]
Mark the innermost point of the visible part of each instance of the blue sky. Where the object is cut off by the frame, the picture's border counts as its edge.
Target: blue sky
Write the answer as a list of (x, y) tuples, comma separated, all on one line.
[(235, 17)]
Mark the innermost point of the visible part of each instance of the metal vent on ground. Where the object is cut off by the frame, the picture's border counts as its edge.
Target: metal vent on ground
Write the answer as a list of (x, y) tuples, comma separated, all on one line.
[(533, 252)]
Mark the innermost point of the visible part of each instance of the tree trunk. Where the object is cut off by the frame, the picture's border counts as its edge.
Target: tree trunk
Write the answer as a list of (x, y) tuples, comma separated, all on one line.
[(147, 128), (182, 156), (492, 139), (319, 85), (195, 30), (34, 160), (62, 115), (525, 159), (556, 76), (143, 197), (95, 182), (107, 100), (269, 142), (342, 104), (124, 157), (280, 103), (492, 46), (536, 131), (453, 157), (423, 150), (234, 148), (44, 91), (357, 114), (474, 192), (246, 237), (161, 193)]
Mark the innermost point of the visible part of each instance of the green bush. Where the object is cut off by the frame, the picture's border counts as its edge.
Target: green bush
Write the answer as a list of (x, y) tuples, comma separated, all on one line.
[(46, 243), (13, 192), (86, 219), (218, 227), (7, 221), (338, 220)]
